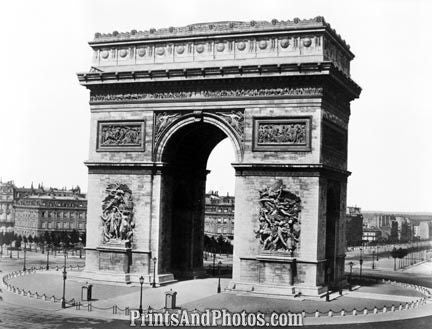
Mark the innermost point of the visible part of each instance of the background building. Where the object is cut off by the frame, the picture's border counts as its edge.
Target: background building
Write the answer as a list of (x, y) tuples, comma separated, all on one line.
[(7, 211), (371, 235), (219, 215), (425, 230), (32, 211), (354, 226)]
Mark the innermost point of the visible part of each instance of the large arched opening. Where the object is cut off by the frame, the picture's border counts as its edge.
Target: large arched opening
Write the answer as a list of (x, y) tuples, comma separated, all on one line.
[(185, 154)]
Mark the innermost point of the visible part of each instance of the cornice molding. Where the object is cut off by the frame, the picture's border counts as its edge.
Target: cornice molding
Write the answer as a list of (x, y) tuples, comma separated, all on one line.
[(306, 70)]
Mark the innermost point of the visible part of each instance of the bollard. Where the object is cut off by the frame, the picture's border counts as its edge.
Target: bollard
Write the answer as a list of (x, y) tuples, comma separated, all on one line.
[(303, 314), (330, 313), (342, 313), (365, 311), (384, 309), (375, 311), (392, 308), (127, 311), (400, 307), (354, 312), (89, 307), (114, 309), (316, 313)]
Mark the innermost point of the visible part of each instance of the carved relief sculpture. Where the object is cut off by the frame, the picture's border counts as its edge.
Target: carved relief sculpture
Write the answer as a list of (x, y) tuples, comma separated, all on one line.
[(282, 134), (117, 214), (162, 121), (292, 133), (143, 96), (117, 135), (235, 119), (279, 225)]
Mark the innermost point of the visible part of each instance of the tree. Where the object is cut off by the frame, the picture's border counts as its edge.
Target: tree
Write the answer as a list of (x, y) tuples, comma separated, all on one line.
[(83, 238), (54, 238), (47, 237), (8, 238), (74, 237), (2, 241), (18, 241)]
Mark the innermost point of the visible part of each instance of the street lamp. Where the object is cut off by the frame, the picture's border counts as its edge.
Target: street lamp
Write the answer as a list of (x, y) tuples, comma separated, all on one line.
[(24, 266), (349, 280), (63, 304), (47, 264), (154, 272), (219, 277), (214, 262), (373, 259), (361, 262), (141, 281)]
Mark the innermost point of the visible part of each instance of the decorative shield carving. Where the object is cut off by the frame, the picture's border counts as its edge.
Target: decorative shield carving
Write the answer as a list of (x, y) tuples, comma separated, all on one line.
[(279, 225), (117, 213)]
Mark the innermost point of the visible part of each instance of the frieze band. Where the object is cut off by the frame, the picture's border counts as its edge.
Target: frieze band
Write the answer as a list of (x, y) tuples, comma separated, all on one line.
[(125, 97)]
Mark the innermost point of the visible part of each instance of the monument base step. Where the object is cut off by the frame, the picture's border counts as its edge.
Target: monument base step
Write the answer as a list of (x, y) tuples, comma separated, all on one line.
[(161, 279), (105, 276), (122, 278), (273, 290)]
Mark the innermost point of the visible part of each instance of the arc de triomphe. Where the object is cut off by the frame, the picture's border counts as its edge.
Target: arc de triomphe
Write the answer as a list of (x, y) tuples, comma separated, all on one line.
[(161, 100)]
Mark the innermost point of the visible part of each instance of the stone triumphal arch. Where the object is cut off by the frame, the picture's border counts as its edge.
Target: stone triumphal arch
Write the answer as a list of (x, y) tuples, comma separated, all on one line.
[(160, 102)]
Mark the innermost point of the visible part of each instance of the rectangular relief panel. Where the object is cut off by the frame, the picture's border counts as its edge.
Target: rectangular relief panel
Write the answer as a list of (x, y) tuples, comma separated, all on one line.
[(282, 134), (120, 136)]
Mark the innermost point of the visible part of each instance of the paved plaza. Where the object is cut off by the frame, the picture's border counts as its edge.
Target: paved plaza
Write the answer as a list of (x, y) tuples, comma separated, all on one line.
[(201, 294)]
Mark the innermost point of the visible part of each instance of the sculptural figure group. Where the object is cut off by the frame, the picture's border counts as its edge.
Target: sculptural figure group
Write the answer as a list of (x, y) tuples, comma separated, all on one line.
[(279, 226), (117, 213)]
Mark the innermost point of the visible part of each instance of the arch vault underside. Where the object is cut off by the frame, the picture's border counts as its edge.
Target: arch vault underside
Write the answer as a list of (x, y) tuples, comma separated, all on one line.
[(161, 101)]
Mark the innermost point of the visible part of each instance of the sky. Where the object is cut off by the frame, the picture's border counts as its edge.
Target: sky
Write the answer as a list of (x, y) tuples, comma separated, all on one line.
[(44, 112)]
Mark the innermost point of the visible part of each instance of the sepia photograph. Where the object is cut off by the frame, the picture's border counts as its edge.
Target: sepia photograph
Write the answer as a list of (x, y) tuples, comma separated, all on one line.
[(201, 163)]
